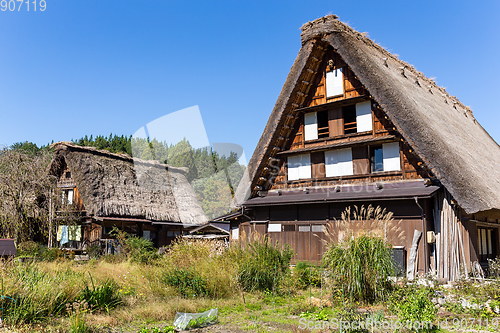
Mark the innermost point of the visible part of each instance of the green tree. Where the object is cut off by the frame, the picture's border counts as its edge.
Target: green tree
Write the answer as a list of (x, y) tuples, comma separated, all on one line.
[(182, 155)]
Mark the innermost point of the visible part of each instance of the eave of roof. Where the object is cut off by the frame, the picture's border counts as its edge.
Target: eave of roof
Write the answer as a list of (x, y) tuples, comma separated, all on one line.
[(388, 191)]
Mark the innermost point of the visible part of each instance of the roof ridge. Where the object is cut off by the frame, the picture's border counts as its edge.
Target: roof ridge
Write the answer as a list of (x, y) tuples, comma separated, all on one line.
[(63, 145), (323, 25)]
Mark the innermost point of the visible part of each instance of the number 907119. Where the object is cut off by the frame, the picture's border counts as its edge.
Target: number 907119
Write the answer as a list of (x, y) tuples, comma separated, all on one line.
[(18, 5)]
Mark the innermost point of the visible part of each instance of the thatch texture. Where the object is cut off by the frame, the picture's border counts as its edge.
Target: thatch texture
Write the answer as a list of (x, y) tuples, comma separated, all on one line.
[(114, 185), (441, 130)]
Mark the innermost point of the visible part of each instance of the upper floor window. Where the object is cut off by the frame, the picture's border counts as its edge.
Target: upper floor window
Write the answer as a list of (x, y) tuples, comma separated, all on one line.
[(334, 83), (339, 121), (338, 162), (385, 157), (357, 160), (67, 197), (68, 174), (299, 167)]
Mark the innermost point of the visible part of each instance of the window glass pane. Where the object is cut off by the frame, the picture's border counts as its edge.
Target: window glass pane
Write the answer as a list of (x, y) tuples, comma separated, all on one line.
[(377, 159), (70, 197), (483, 241), (318, 228), (146, 235), (490, 250), (480, 248), (304, 228)]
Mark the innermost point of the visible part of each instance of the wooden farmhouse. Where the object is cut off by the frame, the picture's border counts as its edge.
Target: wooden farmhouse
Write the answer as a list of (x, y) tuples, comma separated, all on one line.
[(354, 125), (101, 190)]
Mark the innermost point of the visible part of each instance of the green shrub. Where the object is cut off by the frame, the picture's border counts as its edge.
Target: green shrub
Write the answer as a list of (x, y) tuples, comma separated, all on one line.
[(413, 307), (141, 250), (94, 251), (51, 254), (262, 265), (215, 266), (188, 282), (29, 249), (362, 265), (307, 274), (104, 296)]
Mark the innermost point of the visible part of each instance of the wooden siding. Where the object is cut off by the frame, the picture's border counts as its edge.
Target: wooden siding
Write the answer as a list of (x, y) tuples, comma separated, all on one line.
[(410, 168), (297, 223), (77, 200), (352, 86)]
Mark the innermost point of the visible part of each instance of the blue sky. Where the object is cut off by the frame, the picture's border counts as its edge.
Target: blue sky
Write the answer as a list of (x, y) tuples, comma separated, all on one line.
[(100, 67)]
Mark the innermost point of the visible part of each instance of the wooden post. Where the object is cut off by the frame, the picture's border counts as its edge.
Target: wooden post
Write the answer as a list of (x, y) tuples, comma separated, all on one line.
[(51, 238)]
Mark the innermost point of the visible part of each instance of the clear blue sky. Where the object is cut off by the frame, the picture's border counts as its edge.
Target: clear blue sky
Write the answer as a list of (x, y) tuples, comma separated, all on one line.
[(96, 67)]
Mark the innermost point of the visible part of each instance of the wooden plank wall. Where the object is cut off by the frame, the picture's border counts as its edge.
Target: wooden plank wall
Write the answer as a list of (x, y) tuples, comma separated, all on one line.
[(308, 245), (352, 86)]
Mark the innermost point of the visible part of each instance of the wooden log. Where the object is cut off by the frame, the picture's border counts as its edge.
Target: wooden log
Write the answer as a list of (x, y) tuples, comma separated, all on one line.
[(410, 273)]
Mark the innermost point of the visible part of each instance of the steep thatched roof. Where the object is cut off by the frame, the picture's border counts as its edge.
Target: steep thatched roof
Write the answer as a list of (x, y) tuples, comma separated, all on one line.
[(114, 185), (442, 131)]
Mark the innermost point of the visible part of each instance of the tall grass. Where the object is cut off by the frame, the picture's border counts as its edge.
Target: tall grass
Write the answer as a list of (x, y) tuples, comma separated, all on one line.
[(361, 265), (262, 265), (199, 267), (34, 294), (358, 255)]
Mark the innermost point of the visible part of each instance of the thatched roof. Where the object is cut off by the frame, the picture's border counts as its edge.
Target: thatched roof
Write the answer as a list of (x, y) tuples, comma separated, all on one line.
[(114, 185), (442, 131)]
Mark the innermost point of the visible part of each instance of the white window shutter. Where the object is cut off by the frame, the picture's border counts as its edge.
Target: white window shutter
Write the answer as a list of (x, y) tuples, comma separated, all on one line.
[(392, 161), (235, 233), (274, 227), (293, 167), (334, 83), (70, 197), (331, 163), (310, 126), (305, 166), (338, 163), (364, 116), (345, 162)]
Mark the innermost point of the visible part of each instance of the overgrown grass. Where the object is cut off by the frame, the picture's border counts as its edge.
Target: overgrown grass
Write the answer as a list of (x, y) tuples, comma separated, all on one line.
[(262, 265), (361, 265)]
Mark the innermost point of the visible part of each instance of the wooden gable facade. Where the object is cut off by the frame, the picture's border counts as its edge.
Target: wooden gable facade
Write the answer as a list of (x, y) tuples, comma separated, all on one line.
[(336, 139)]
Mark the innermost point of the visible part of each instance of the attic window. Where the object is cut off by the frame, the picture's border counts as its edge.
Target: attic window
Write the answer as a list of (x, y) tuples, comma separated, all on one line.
[(67, 197), (334, 83), (68, 174)]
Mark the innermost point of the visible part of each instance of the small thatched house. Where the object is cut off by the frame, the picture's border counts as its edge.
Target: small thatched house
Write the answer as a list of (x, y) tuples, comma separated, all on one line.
[(101, 190), (355, 125)]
